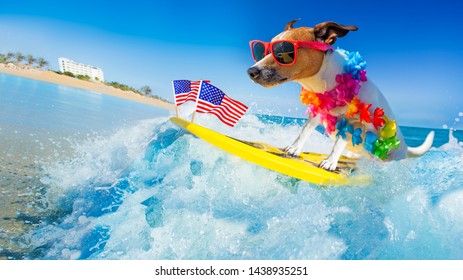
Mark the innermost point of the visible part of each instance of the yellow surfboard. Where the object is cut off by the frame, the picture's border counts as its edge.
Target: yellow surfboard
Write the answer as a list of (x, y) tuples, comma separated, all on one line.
[(304, 167)]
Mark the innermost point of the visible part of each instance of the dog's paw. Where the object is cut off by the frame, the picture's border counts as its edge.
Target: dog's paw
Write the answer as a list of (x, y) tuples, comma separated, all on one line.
[(292, 151), (328, 164)]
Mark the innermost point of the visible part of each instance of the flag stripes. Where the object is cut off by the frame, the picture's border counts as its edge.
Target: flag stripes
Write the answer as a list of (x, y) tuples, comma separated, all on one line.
[(210, 99), (185, 90)]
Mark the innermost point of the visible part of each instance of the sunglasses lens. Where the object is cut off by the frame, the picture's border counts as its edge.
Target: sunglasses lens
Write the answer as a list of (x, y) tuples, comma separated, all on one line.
[(258, 49), (283, 52)]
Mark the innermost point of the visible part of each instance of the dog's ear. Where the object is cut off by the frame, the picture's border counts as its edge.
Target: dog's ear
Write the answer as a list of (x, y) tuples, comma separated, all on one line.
[(290, 24), (327, 32)]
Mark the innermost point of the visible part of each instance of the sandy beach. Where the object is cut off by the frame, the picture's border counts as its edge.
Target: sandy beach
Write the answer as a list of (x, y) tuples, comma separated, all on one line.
[(52, 77)]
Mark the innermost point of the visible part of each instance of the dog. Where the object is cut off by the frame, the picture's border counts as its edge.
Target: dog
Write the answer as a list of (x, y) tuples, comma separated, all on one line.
[(335, 88)]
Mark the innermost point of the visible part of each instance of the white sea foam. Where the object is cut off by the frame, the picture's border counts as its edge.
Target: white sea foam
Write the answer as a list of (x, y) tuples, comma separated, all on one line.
[(154, 192)]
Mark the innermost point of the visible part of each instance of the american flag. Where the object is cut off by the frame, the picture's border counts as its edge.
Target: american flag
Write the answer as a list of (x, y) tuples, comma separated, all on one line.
[(185, 90), (214, 101)]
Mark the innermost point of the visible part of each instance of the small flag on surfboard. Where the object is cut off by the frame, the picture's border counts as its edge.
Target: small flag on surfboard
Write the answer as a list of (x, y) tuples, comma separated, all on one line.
[(185, 90), (209, 99)]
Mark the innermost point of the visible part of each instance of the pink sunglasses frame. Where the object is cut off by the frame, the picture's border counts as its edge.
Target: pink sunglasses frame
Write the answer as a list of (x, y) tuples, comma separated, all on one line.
[(297, 44)]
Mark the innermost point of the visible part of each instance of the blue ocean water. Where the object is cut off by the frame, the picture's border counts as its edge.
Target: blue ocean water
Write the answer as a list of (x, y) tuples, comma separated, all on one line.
[(31, 106), (152, 191)]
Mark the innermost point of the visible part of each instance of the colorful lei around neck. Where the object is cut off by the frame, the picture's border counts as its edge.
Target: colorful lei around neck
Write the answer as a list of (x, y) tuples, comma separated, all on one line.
[(345, 93)]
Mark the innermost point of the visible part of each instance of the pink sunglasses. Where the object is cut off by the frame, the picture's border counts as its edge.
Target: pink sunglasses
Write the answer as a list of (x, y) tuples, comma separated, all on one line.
[(284, 51)]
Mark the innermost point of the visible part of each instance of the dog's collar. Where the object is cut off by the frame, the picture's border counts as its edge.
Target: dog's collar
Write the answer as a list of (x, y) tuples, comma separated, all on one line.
[(345, 93)]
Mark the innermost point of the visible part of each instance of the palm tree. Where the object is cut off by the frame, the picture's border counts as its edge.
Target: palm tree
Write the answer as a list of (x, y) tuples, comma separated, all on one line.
[(9, 56), (41, 62), (19, 57), (30, 60)]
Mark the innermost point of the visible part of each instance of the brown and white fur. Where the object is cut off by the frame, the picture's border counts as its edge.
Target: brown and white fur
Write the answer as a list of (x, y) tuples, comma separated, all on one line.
[(316, 71)]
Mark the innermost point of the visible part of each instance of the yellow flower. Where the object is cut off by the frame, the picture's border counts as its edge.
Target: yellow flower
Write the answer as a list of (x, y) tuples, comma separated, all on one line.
[(353, 107), (389, 129)]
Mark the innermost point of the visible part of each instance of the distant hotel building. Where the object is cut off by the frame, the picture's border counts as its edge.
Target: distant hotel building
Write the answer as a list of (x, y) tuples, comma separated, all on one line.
[(67, 65)]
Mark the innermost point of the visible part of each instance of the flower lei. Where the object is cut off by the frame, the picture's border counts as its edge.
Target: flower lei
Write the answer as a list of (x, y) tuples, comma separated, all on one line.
[(345, 93)]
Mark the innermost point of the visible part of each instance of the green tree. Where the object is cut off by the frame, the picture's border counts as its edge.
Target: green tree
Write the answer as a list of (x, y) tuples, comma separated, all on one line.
[(42, 62), (70, 74), (30, 60), (19, 57), (121, 86), (2, 58), (9, 56), (145, 90), (83, 77)]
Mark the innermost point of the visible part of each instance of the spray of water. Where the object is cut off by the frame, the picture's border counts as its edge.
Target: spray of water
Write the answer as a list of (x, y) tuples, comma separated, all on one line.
[(155, 192)]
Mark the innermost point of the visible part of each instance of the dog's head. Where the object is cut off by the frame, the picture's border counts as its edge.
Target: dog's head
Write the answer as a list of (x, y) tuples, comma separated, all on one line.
[(268, 73)]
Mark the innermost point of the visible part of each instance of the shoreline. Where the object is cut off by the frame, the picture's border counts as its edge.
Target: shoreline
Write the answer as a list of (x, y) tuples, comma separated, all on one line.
[(52, 77), (29, 145)]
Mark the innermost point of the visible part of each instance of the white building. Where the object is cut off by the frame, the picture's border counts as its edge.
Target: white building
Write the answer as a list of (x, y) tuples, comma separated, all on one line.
[(67, 65)]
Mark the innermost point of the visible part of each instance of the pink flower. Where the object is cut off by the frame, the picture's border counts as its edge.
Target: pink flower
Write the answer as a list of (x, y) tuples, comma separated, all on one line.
[(329, 122), (363, 75), (308, 111), (327, 102), (347, 88)]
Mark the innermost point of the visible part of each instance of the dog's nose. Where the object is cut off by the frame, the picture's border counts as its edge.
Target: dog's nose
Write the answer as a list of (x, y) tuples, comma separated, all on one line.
[(254, 72)]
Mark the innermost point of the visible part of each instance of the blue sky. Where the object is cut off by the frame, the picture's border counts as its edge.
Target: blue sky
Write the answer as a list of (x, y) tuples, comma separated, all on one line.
[(413, 49)]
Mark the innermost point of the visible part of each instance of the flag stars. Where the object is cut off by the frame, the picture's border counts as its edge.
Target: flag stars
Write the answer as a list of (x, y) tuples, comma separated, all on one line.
[(181, 86), (211, 94)]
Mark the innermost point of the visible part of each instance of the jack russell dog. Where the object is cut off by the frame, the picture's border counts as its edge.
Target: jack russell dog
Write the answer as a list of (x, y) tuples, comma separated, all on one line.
[(336, 90)]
